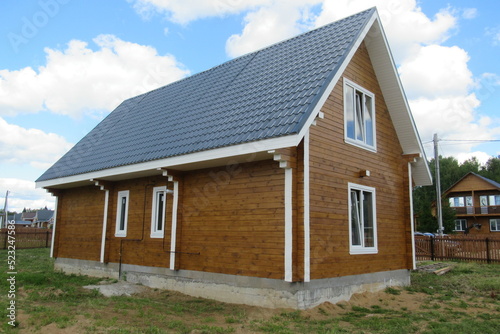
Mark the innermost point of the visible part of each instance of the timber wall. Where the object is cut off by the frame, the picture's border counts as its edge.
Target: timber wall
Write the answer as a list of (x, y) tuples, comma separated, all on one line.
[(230, 221), (334, 163)]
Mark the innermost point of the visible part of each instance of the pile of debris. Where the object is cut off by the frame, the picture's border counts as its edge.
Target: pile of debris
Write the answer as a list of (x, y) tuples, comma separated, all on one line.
[(437, 268)]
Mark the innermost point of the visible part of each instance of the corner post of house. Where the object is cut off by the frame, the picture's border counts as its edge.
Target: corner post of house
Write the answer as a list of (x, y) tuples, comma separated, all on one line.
[(56, 193), (288, 162), (411, 158), (103, 186), (175, 226)]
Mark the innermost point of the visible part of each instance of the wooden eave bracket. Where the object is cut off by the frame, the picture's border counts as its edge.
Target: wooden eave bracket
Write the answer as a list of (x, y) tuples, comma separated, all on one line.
[(53, 192), (321, 115), (284, 156), (412, 157), (103, 185), (170, 175)]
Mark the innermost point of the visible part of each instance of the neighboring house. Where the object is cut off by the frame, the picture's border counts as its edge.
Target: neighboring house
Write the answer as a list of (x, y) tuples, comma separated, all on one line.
[(282, 178), (28, 216), (43, 218), (476, 201)]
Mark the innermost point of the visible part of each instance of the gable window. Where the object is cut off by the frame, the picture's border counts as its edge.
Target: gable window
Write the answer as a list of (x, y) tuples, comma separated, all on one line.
[(122, 214), (158, 212), (363, 221), (359, 109), (495, 225), (460, 224)]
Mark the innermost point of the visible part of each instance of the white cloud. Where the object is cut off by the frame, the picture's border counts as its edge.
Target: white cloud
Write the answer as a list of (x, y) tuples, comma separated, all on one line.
[(494, 32), (271, 24), (470, 13), (452, 118), (30, 146), (405, 25), (436, 71), (78, 80), (22, 194), (186, 11), (482, 157)]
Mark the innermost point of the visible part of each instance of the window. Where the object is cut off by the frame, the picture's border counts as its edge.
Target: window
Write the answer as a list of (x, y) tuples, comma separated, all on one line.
[(158, 212), (494, 200), (456, 202), (460, 224), (495, 225), (359, 107), (122, 214), (363, 221)]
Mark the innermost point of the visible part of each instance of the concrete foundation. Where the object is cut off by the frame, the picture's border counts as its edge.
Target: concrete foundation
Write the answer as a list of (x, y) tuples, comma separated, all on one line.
[(255, 291)]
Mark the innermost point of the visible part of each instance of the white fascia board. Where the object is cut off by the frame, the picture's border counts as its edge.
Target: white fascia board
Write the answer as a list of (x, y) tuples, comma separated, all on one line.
[(395, 98), (219, 153)]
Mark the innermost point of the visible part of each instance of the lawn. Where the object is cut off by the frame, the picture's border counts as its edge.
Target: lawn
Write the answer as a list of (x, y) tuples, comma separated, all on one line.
[(464, 300)]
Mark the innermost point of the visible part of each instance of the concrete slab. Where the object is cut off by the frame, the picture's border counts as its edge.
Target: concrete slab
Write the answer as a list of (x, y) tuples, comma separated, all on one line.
[(120, 288)]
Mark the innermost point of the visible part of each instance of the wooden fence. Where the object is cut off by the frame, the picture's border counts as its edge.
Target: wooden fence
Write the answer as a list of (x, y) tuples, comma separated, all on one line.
[(25, 238), (464, 248)]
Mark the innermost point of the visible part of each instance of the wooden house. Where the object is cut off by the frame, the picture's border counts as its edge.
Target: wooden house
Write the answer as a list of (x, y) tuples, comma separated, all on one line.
[(282, 178), (476, 201)]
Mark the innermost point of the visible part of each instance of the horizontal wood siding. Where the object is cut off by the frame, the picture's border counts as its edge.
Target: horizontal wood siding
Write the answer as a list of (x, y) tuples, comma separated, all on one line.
[(138, 247), (233, 220), (334, 163), (79, 223)]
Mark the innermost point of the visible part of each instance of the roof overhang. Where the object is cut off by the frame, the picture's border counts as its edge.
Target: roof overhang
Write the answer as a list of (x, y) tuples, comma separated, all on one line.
[(225, 156)]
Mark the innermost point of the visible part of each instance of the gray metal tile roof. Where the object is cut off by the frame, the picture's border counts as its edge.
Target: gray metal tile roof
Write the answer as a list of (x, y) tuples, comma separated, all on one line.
[(265, 94)]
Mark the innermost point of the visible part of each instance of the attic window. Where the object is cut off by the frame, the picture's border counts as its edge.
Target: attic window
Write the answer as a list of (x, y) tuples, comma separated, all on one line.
[(359, 110)]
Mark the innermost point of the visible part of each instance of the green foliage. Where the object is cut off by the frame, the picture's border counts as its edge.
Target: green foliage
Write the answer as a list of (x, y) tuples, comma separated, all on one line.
[(451, 171)]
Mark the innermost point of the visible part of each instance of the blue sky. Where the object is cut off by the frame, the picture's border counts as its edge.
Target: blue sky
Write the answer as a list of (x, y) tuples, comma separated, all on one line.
[(65, 64)]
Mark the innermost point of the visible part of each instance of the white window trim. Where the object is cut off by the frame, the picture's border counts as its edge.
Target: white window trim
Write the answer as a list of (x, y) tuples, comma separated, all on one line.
[(155, 233), (118, 232), (461, 219), (497, 223), (355, 142), (361, 249)]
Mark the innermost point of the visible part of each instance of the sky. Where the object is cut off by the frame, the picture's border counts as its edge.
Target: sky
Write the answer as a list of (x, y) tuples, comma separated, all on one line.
[(66, 64)]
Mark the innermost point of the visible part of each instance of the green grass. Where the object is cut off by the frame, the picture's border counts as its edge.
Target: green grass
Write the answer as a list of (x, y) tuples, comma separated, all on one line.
[(465, 300)]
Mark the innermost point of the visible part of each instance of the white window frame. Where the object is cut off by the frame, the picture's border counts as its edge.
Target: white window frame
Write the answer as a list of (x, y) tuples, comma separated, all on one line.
[(457, 202), (463, 225), (497, 225), (494, 200), (122, 213), (155, 231), (353, 141), (362, 249)]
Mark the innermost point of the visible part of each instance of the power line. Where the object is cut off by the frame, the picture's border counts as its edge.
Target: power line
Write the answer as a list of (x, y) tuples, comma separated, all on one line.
[(471, 140)]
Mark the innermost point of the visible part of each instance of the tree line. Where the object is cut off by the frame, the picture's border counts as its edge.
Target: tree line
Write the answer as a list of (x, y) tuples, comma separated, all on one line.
[(451, 171)]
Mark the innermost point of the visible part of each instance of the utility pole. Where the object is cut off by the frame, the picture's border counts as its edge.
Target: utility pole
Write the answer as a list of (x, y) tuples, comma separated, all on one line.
[(439, 210), (4, 223)]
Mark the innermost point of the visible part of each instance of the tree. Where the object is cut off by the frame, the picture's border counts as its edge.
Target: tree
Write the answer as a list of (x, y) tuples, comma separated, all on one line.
[(492, 169)]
